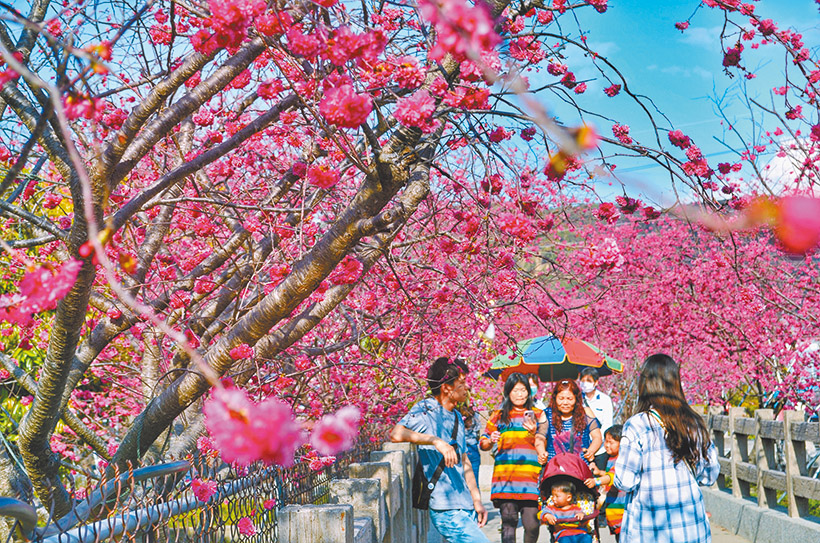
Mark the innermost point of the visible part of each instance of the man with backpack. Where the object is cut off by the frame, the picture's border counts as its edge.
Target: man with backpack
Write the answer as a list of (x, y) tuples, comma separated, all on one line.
[(435, 425)]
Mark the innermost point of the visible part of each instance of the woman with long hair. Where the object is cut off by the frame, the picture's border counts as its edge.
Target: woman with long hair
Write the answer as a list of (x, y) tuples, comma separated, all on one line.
[(568, 426), (515, 473), (665, 453)]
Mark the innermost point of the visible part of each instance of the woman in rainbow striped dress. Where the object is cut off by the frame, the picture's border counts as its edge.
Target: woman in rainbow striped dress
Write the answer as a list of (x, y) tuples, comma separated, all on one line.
[(515, 474)]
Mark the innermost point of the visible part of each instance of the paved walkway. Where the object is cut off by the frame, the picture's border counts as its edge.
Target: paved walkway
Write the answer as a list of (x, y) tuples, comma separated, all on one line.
[(493, 527)]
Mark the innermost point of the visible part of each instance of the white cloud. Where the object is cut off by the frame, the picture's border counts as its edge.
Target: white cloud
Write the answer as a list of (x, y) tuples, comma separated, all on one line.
[(782, 173), (700, 36), (703, 73)]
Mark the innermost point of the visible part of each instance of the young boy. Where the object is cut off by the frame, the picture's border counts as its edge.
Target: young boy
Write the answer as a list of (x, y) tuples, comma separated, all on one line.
[(612, 498), (562, 512)]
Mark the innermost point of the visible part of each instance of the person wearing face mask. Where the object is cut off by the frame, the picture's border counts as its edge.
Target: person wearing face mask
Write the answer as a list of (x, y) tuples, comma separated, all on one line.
[(537, 402), (601, 406)]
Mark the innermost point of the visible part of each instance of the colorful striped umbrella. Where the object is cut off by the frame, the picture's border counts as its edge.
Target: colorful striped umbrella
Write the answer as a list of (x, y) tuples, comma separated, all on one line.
[(553, 359)]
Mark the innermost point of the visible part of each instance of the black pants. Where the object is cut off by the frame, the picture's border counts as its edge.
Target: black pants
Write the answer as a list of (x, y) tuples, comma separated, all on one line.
[(510, 511)]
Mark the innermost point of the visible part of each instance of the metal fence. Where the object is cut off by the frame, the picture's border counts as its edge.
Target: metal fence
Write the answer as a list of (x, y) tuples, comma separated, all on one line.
[(158, 504)]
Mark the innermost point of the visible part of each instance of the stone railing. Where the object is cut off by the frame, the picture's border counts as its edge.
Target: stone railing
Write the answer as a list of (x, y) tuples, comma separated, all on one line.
[(769, 458), (371, 506)]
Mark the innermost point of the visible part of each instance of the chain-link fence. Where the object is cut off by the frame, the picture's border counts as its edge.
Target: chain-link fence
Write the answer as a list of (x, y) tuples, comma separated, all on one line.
[(197, 500)]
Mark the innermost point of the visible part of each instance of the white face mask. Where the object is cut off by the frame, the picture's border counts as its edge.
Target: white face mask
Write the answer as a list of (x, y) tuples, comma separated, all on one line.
[(586, 387)]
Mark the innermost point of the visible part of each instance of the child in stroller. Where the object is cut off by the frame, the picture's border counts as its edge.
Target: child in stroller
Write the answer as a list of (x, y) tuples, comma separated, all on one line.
[(567, 506)]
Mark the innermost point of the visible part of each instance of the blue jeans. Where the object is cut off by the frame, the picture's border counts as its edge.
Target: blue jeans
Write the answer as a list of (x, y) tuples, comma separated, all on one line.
[(457, 525)]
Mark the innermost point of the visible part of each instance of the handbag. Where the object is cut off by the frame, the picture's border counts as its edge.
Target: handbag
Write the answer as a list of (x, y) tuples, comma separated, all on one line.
[(422, 487)]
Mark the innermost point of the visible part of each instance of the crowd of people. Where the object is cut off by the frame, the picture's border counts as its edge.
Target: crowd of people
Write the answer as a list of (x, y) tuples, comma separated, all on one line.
[(564, 463)]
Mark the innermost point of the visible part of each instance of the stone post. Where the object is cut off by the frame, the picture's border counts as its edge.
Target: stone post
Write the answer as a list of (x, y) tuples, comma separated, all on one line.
[(795, 451), (400, 515), (764, 460), (383, 472), (316, 524), (367, 499)]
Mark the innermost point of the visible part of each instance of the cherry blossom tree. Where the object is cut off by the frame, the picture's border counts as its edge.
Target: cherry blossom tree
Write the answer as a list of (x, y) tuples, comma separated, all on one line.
[(301, 203)]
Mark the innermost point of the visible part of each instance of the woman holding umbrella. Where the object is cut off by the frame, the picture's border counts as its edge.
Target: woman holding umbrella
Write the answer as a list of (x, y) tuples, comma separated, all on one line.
[(567, 425), (516, 470)]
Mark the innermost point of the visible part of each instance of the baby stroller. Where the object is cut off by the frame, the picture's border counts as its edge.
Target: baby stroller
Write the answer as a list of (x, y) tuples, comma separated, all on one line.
[(567, 467)]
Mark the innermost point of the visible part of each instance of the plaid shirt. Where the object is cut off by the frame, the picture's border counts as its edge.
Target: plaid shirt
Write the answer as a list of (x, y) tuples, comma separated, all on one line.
[(663, 501)]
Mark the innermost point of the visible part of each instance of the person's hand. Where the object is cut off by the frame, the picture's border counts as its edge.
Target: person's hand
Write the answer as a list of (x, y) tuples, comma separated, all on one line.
[(589, 455), (594, 469), (590, 482), (481, 512), (495, 436), (447, 451), (579, 515), (542, 458), (550, 518)]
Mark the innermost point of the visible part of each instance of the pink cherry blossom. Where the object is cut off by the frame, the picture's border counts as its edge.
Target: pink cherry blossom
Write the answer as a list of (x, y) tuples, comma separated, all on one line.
[(408, 73), (461, 28), (203, 488), (388, 335), (607, 212), (204, 444), (343, 107), (246, 527), (40, 290), (517, 225), (679, 139), (348, 271), (322, 176), (732, 56), (621, 132), (242, 429), (242, 351), (417, 111), (306, 45), (230, 18), (272, 24), (336, 432)]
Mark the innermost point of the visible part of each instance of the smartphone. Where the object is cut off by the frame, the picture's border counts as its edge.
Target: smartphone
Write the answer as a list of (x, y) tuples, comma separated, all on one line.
[(529, 414)]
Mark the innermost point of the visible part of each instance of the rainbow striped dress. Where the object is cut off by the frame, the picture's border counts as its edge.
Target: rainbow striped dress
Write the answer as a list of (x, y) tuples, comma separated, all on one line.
[(516, 470)]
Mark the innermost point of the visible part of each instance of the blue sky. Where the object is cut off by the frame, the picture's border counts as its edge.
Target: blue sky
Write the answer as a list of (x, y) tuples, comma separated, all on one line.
[(681, 72)]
